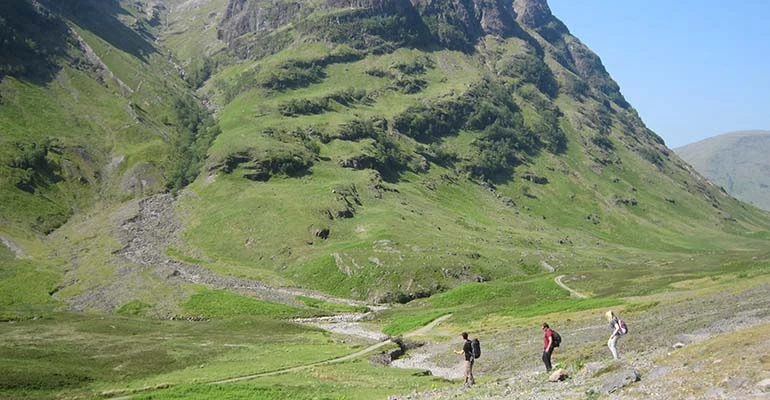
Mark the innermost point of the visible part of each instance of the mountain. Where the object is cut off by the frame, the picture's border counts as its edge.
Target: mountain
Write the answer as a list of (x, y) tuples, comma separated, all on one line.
[(736, 161), (181, 180), (369, 149)]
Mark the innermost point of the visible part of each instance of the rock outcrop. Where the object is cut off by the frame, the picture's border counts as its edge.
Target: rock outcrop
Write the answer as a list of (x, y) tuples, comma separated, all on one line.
[(532, 13), (477, 17), (469, 19), (245, 16)]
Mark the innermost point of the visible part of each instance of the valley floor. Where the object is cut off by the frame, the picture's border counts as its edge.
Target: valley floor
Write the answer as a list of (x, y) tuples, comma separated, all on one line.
[(709, 341)]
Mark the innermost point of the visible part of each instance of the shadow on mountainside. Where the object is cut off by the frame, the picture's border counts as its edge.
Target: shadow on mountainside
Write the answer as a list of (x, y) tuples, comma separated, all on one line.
[(101, 18), (33, 40), (36, 40)]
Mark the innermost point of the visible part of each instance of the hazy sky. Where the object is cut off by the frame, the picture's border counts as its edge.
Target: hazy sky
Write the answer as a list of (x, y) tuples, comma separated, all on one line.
[(691, 68)]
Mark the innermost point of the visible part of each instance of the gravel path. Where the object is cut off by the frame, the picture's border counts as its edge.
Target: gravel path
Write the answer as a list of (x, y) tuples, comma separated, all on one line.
[(11, 245), (346, 324), (572, 292)]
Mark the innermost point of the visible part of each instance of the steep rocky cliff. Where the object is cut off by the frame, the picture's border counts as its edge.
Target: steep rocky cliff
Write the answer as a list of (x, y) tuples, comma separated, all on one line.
[(452, 23), (255, 28)]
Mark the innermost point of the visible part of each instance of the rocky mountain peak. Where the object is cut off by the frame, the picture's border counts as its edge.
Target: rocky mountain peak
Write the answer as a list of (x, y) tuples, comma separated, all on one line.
[(532, 13), (480, 17)]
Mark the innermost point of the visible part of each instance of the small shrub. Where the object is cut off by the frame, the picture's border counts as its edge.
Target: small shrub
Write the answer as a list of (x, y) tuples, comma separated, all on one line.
[(200, 72), (576, 87), (417, 66), (429, 122), (347, 97), (358, 129), (409, 85), (295, 107), (532, 69), (32, 166), (448, 31), (367, 29), (379, 73), (438, 154), (651, 155), (290, 75), (264, 164), (133, 307), (389, 159), (603, 141)]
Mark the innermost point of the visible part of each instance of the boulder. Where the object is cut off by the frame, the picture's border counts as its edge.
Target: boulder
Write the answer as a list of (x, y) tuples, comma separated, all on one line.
[(620, 380), (764, 385), (591, 369), (558, 375)]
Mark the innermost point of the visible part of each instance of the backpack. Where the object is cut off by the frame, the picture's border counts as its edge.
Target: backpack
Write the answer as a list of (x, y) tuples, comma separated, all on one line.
[(623, 327), (556, 338), (476, 346)]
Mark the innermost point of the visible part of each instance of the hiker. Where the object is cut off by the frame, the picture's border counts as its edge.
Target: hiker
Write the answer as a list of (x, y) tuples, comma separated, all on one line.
[(616, 332), (468, 351), (548, 346)]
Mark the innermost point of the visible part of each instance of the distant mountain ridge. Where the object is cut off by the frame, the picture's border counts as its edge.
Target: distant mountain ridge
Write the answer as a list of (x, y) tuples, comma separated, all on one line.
[(737, 161)]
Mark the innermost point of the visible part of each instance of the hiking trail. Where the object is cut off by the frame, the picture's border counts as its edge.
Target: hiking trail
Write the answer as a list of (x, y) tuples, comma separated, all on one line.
[(384, 342), (572, 292)]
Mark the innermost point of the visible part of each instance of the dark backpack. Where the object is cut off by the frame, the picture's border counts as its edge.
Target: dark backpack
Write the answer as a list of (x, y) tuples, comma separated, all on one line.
[(556, 338), (476, 346)]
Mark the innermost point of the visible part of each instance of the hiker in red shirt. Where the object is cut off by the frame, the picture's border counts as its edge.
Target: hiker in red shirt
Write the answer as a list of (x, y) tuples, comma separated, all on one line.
[(548, 346)]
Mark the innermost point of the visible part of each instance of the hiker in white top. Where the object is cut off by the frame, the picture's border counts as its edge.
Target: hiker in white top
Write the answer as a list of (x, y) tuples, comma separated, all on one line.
[(615, 326)]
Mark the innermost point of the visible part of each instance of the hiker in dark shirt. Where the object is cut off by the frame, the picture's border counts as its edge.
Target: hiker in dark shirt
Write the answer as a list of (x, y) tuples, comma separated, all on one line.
[(548, 346), (468, 351)]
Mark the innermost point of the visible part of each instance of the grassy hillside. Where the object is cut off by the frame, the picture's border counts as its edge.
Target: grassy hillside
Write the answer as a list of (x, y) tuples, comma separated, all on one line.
[(176, 185), (90, 117), (735, 161), (431, 199), (381, 173), (95, 127)]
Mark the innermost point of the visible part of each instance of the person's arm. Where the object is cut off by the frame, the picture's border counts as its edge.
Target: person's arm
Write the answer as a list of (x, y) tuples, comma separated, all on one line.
[(616, 325), (549, 347), (462, 351)]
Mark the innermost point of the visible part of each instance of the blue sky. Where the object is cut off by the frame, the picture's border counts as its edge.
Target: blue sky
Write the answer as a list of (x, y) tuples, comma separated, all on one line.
[(692, 69)]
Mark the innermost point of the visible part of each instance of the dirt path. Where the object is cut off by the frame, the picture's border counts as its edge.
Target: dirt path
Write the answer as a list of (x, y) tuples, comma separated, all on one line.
[(572, 292), (421, 331), (18, 251), (427, 328)]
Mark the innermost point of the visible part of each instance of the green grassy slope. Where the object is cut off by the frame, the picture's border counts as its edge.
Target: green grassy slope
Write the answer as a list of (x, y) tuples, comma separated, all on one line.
[(90, 125), (606, 205), (79, 355), (382, 173), (95, 130)]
